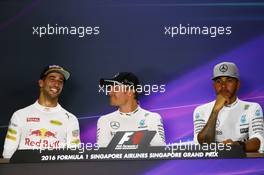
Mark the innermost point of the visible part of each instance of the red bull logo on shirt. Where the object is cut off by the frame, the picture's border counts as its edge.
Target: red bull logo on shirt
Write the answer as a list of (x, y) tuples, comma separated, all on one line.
[(35, 133), (43, 133), (45, 139)]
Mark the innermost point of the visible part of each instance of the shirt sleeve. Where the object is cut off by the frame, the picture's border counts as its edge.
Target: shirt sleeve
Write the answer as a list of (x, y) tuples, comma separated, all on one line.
[(157, 125), (103, 136), (198, 122), (12, 137), (73, 131), (256, 126)]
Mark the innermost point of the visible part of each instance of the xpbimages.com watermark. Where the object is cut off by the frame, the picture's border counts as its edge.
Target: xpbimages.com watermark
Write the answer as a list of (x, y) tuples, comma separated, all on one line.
[(146, 89), (52, 30)]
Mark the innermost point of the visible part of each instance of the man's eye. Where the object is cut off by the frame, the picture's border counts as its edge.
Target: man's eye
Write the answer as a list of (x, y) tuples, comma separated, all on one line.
[(230, 80), (218, 81)]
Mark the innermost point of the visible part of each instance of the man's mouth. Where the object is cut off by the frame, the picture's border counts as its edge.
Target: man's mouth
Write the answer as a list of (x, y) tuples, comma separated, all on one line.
[(225, 92), (54, 90)]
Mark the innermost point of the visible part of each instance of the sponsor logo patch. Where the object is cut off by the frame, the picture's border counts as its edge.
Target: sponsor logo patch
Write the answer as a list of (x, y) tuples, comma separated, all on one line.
[(142, 124), (218, 132), (75, 133), (243, 119), (75, 142), (114, 124), (10, 137), (56, 122), (223, 68), (33, 119), (12, 131), (257, 113), (243, 130), (246, 107), (43, 133)]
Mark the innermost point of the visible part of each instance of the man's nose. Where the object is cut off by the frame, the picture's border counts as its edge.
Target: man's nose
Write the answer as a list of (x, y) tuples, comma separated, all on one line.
[(57, 83), (223, 84)]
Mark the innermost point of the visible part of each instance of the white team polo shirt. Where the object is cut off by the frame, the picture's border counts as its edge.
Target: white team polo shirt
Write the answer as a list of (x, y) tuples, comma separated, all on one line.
[(239, 121), (39, 127), (140, 119)]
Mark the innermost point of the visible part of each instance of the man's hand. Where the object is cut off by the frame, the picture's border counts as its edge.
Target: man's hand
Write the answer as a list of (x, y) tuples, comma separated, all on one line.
[(207, 134), (229, 141), (220, 102)]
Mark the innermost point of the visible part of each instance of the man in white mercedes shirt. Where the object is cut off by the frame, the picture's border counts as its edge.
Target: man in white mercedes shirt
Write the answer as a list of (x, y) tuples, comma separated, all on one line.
[(229, 119), (129, 116), (44, 124)]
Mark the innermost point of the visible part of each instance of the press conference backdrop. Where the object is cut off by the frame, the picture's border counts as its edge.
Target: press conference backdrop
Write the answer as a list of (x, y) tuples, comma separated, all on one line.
[(153, 39)]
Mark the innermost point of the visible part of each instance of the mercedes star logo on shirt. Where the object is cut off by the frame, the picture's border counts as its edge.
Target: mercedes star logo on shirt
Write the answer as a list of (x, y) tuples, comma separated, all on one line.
[(115, 125)]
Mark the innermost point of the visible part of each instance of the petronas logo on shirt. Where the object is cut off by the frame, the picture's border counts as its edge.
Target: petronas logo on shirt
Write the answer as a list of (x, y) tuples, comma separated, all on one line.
[(142, 124), (243, 119), (257, 113)]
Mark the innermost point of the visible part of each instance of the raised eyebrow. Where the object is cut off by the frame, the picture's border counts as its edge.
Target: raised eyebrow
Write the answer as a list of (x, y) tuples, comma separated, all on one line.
[(61, 79), (52, 76)]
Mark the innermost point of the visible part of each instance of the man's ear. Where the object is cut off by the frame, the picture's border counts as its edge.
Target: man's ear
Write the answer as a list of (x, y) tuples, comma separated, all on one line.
[(130, 93), (40, 82)]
